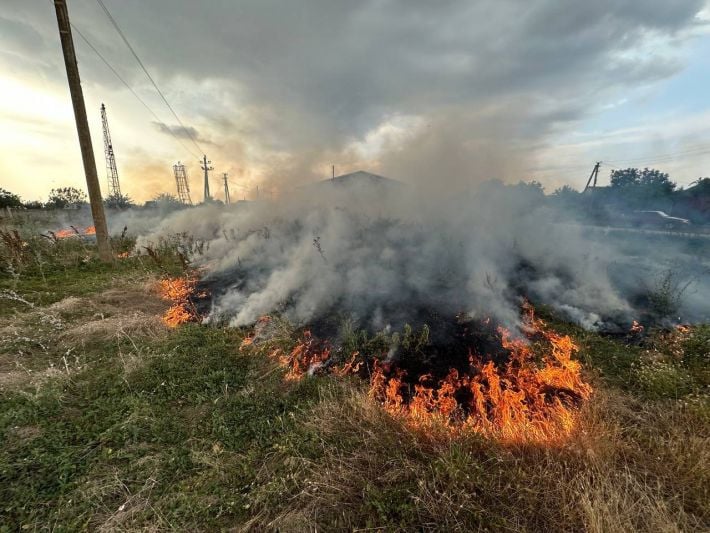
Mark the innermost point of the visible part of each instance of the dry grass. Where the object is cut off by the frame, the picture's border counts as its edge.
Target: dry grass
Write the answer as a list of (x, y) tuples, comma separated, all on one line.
[(371, 469), (40, 343), (102, 329), (145, 428)]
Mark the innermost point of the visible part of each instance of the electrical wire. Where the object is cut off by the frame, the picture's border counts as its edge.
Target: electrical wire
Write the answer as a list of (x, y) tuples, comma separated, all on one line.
[(664, 158), (133, 92), (138, 59)]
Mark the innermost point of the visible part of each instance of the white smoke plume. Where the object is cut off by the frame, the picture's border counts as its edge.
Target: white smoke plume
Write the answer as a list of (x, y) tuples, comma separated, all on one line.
[(384, 253)]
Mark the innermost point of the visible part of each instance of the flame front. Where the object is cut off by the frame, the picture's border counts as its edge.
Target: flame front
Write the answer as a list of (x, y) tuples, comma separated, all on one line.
[(519, 401), (75, 232), (308, 357), (178, 291)]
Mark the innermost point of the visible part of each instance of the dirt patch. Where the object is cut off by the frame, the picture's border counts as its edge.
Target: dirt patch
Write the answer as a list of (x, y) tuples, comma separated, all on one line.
[(13, 378), (140, 297), (135, 324), (39, 337), (67, 305), (22, 434), (17, 379)]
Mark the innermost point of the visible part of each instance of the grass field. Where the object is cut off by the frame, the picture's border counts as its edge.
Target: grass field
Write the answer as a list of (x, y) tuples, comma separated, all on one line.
[(109, 420)]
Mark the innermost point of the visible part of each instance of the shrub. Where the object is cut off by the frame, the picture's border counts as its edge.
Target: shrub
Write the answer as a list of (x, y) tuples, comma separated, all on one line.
[(8, 199)]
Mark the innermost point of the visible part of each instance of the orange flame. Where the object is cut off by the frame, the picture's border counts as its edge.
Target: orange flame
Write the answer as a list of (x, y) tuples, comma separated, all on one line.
[(74, 232), (178, 291), (519, 401), (308, 356), (261, 323), (64, 233)]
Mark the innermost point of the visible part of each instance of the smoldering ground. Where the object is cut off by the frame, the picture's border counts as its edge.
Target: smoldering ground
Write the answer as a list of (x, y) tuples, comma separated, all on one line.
[(383, 254)]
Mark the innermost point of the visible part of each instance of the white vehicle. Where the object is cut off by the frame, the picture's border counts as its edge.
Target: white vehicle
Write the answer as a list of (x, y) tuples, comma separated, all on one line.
[(659, 219)]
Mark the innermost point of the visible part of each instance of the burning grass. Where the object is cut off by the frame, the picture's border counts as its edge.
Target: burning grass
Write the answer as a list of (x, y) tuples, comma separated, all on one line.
[(179, 291), (185, 431), (73, 231), (526, 389)]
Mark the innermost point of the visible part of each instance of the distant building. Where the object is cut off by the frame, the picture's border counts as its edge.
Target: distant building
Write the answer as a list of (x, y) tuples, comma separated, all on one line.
[(359, 178)]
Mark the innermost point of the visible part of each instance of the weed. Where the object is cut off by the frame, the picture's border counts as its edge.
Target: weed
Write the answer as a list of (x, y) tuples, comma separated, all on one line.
[(660, 379)]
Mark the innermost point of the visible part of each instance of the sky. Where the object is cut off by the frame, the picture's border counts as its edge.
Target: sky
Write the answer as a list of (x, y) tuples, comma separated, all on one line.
[(445, 93)]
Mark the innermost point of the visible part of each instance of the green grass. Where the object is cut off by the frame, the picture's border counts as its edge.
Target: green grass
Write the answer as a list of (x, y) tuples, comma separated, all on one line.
[(192, 396), (181, 429)]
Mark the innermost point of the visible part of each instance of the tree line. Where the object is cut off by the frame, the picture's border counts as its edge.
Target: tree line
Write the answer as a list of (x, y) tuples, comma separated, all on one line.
[(73, 198)]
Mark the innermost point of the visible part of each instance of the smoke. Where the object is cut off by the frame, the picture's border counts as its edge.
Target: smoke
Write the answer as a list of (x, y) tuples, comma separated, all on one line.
[(382, 253)]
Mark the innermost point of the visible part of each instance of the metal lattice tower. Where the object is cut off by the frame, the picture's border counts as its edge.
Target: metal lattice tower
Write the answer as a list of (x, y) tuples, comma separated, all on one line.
[(183, 188), (227, 201), (205, 165), (114, 188)]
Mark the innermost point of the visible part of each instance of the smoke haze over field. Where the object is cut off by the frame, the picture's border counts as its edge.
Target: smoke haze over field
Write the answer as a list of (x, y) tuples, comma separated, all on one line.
[(386, 255), (440, 95)]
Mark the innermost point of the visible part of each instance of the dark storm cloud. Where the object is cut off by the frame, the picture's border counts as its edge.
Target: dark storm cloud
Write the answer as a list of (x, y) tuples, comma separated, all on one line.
[(187, 132), (323, 73), (313, 76)]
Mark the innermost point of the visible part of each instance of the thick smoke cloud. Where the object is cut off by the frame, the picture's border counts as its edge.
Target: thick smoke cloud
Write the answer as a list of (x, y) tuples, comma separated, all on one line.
[(388, 254)]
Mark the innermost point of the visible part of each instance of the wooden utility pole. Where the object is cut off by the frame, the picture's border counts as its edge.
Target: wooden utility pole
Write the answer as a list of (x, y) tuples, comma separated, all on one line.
[(226, 189), (593, 176), (82, 127)]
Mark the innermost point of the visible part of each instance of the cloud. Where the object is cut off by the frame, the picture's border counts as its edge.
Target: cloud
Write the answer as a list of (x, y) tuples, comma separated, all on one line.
[(315, 78), (287, 88), (188, 132)]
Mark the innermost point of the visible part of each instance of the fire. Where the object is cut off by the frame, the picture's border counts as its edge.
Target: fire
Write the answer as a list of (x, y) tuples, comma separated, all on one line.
[(307, 357), (519, 401), (260, 326), (178, 291), (636, 328), (527, 398), (75, 232)]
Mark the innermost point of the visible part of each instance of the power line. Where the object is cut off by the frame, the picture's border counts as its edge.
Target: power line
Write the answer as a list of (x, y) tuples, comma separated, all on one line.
[(133, 92), (135, 55), (661, 158)]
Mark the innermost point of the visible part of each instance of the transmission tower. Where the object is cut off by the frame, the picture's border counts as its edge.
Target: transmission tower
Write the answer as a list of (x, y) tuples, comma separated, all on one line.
[(114, 189), (205, 165), (226, 189), (183, 188)]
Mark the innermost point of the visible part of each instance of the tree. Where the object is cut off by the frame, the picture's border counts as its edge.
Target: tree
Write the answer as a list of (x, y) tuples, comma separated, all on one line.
[(66, 197), (625, 178), (119, 201), (533, 191), (8, 199), (164, 201), (565, 193), (657, 181), (33, 204), (642, 189), (651, 179)]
